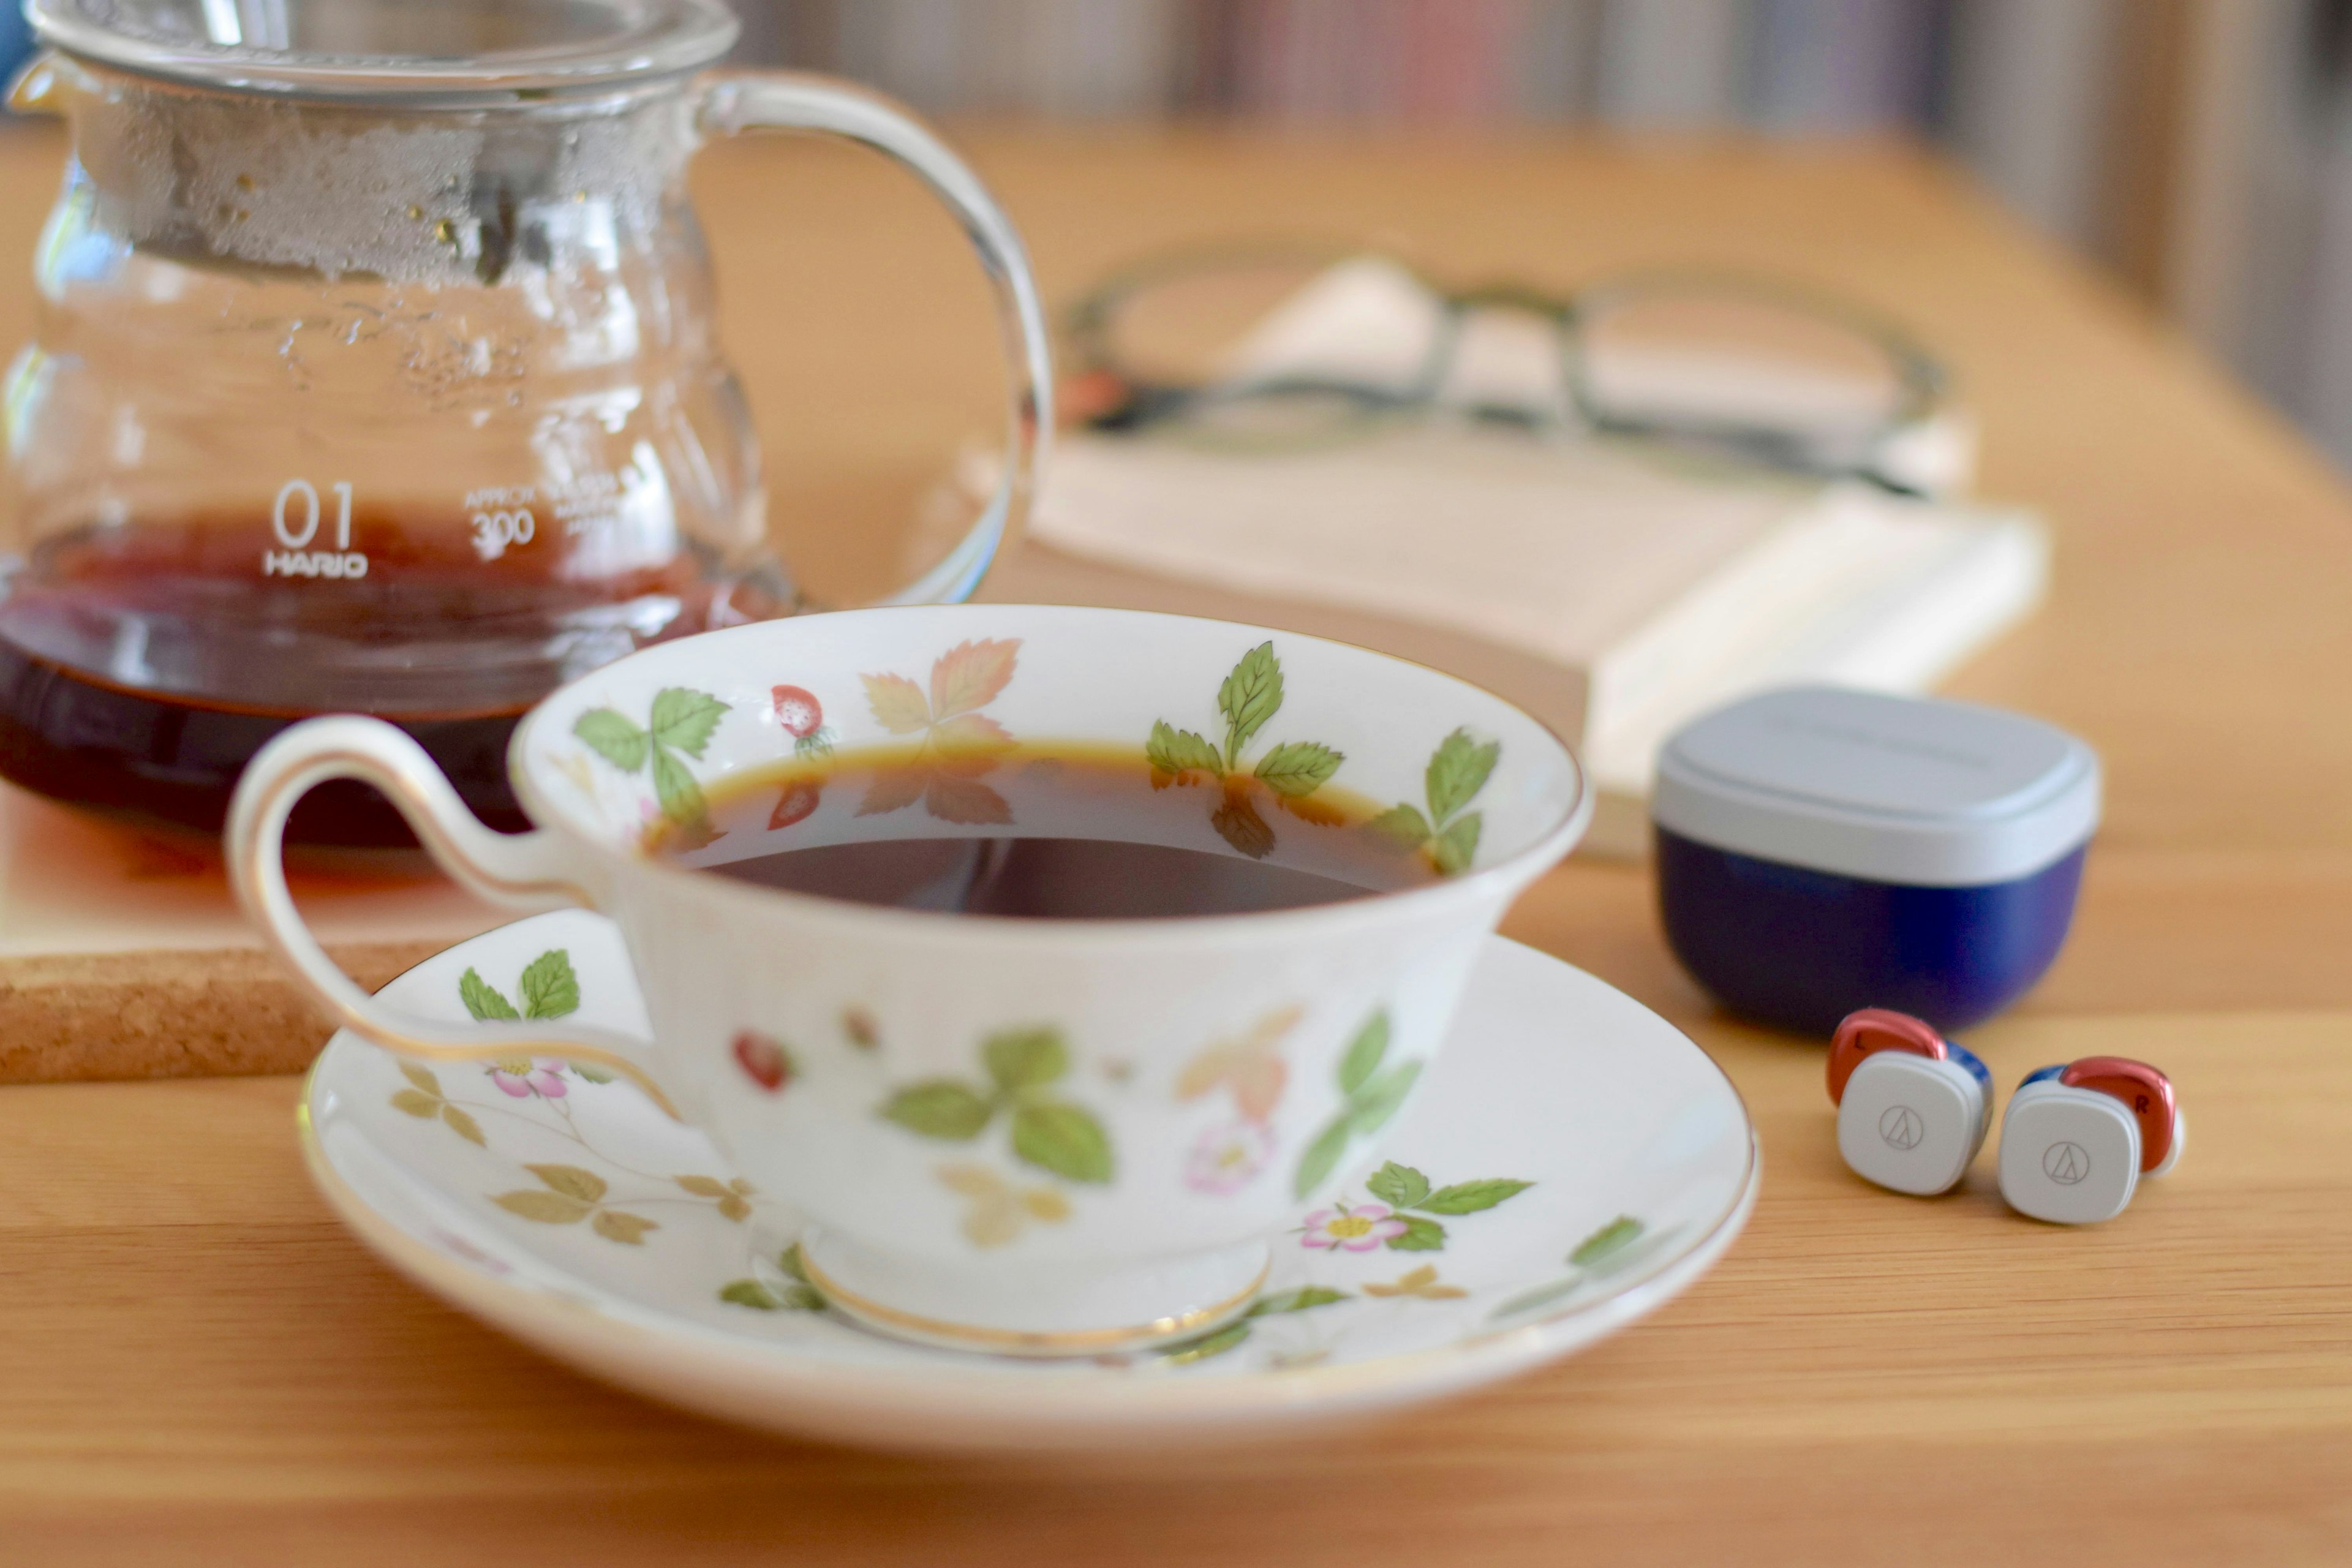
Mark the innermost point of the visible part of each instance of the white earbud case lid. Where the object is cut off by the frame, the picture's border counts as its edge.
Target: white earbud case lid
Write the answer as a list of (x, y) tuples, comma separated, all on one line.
[(1920, 792)]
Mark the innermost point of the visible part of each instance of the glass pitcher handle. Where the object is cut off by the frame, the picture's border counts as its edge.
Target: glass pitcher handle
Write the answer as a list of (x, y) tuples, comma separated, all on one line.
[(783, 100)]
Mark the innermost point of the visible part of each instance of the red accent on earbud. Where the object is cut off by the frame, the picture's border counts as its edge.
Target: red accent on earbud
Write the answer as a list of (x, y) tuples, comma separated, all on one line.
[(2146, 1092), (1872, 1030)]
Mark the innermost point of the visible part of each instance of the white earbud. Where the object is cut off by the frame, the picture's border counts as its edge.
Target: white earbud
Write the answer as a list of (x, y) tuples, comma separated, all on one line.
[(1912, 1108), (2077, 1138)]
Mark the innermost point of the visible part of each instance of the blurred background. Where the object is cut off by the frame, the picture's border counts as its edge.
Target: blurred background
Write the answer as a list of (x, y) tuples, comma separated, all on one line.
[(2198, 149)]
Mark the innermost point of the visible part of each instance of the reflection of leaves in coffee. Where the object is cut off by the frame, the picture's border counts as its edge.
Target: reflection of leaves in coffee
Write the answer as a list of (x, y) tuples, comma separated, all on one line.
[(1292, 771), (959, 745), (1237, 822), (682, 721), (967, 801), (1458, 771), (1022, 1066)]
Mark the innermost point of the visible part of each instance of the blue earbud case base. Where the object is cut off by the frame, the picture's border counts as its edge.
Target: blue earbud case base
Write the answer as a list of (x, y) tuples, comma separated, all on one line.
[(1799, 949)]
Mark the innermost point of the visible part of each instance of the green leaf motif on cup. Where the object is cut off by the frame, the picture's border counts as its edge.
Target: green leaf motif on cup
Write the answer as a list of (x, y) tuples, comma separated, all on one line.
[(1364, 1054), (940, 1107), (1380, 1098), (1020, 1071), (1289, 772), (1250, 696), (1371, 1096), (614, 738), (675, 791), (679, 725), (1174, 750), (683, 720), (1297, 767), (1025, 1058), (1063, 1139), (1404, 825), (1322, 1156), (1458, 771), (1457, 846)]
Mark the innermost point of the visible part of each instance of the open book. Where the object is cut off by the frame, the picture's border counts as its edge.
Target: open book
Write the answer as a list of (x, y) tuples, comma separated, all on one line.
[(1612, 589)]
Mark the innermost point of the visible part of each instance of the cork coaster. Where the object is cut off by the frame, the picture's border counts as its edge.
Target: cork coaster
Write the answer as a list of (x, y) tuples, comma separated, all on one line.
[(169, 1014)]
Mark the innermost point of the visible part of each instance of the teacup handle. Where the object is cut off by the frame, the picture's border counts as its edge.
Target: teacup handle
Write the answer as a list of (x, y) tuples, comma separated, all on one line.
[(785, 100), (528, 870)]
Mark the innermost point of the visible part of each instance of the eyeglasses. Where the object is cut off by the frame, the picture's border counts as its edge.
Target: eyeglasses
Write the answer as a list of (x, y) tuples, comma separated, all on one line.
[(1273, 351)]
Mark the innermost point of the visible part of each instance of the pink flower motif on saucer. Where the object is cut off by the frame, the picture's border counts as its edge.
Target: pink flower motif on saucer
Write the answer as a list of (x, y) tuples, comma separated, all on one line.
[(1356, 1229), (457, 1245), (538, 1076), (1226, 1157)]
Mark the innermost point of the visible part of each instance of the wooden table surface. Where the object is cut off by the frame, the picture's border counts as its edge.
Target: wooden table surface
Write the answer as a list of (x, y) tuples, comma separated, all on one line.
[(200, 1366)]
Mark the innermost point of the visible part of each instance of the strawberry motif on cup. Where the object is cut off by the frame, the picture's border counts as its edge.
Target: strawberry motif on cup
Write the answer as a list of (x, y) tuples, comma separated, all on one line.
[(766, 1060), (801, 716)]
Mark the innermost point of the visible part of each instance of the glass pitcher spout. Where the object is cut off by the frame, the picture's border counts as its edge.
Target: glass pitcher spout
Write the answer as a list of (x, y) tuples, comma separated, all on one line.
[(376, 370)]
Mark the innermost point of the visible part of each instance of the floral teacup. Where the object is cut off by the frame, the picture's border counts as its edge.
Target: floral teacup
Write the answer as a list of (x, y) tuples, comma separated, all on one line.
[(1038, 1136)]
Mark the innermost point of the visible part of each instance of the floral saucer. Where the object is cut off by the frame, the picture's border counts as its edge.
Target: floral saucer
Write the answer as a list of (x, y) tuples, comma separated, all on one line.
[(1574, 1163)]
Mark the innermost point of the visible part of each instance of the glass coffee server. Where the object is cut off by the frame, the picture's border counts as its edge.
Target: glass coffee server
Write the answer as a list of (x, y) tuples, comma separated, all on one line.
[(375, 372)]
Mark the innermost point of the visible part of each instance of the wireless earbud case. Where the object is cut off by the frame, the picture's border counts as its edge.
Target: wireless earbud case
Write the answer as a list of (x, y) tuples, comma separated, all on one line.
[(1822, 850)]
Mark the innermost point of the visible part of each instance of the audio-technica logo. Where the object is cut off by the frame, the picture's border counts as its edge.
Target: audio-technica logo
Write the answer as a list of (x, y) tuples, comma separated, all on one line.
[(2065, 1163), (1901, 1127)]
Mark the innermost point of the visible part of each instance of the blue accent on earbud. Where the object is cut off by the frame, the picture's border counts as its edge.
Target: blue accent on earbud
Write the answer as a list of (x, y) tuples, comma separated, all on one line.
[(2040, 1075), (1960, 1053)]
